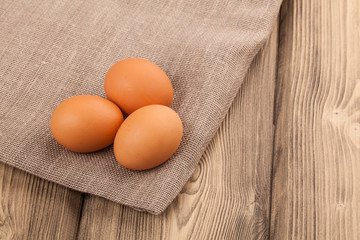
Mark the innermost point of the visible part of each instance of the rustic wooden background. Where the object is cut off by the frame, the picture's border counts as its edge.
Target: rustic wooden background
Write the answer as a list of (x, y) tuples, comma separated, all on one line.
[(285, 163)]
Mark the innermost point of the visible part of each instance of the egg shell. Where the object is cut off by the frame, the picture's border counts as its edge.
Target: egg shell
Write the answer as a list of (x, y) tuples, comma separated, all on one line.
[(148, 137), (133, 83), (85, 123)]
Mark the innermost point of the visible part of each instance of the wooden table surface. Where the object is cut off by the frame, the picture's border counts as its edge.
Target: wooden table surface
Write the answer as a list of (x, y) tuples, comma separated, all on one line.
[(285, 163)]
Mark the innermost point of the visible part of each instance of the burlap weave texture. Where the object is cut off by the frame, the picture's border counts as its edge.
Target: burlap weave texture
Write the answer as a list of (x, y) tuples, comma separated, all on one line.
[(52, 50)]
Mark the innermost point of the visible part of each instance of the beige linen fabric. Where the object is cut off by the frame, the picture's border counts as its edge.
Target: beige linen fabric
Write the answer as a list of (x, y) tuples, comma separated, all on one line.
[(54, 49)]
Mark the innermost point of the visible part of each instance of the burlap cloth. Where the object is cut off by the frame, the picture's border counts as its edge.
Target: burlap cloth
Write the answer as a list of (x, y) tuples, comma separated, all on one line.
[(52, 50)]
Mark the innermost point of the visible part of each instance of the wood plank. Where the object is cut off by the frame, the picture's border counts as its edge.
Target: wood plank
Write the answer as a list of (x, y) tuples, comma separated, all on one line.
[(33, 208), (316, 171), (228, 196)]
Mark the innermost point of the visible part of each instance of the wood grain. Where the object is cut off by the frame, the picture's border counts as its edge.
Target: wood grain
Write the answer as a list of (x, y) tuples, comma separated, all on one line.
[(316, 171), (315, 189), (228, 196), (32, 208)]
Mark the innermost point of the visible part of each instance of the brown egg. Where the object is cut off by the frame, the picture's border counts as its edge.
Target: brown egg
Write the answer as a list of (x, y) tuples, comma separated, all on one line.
[(148, 137), (85, 123), (135, 82)]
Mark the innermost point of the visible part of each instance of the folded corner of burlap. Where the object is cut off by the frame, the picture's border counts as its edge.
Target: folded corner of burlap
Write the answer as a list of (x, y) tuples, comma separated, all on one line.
[(55, 51)]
